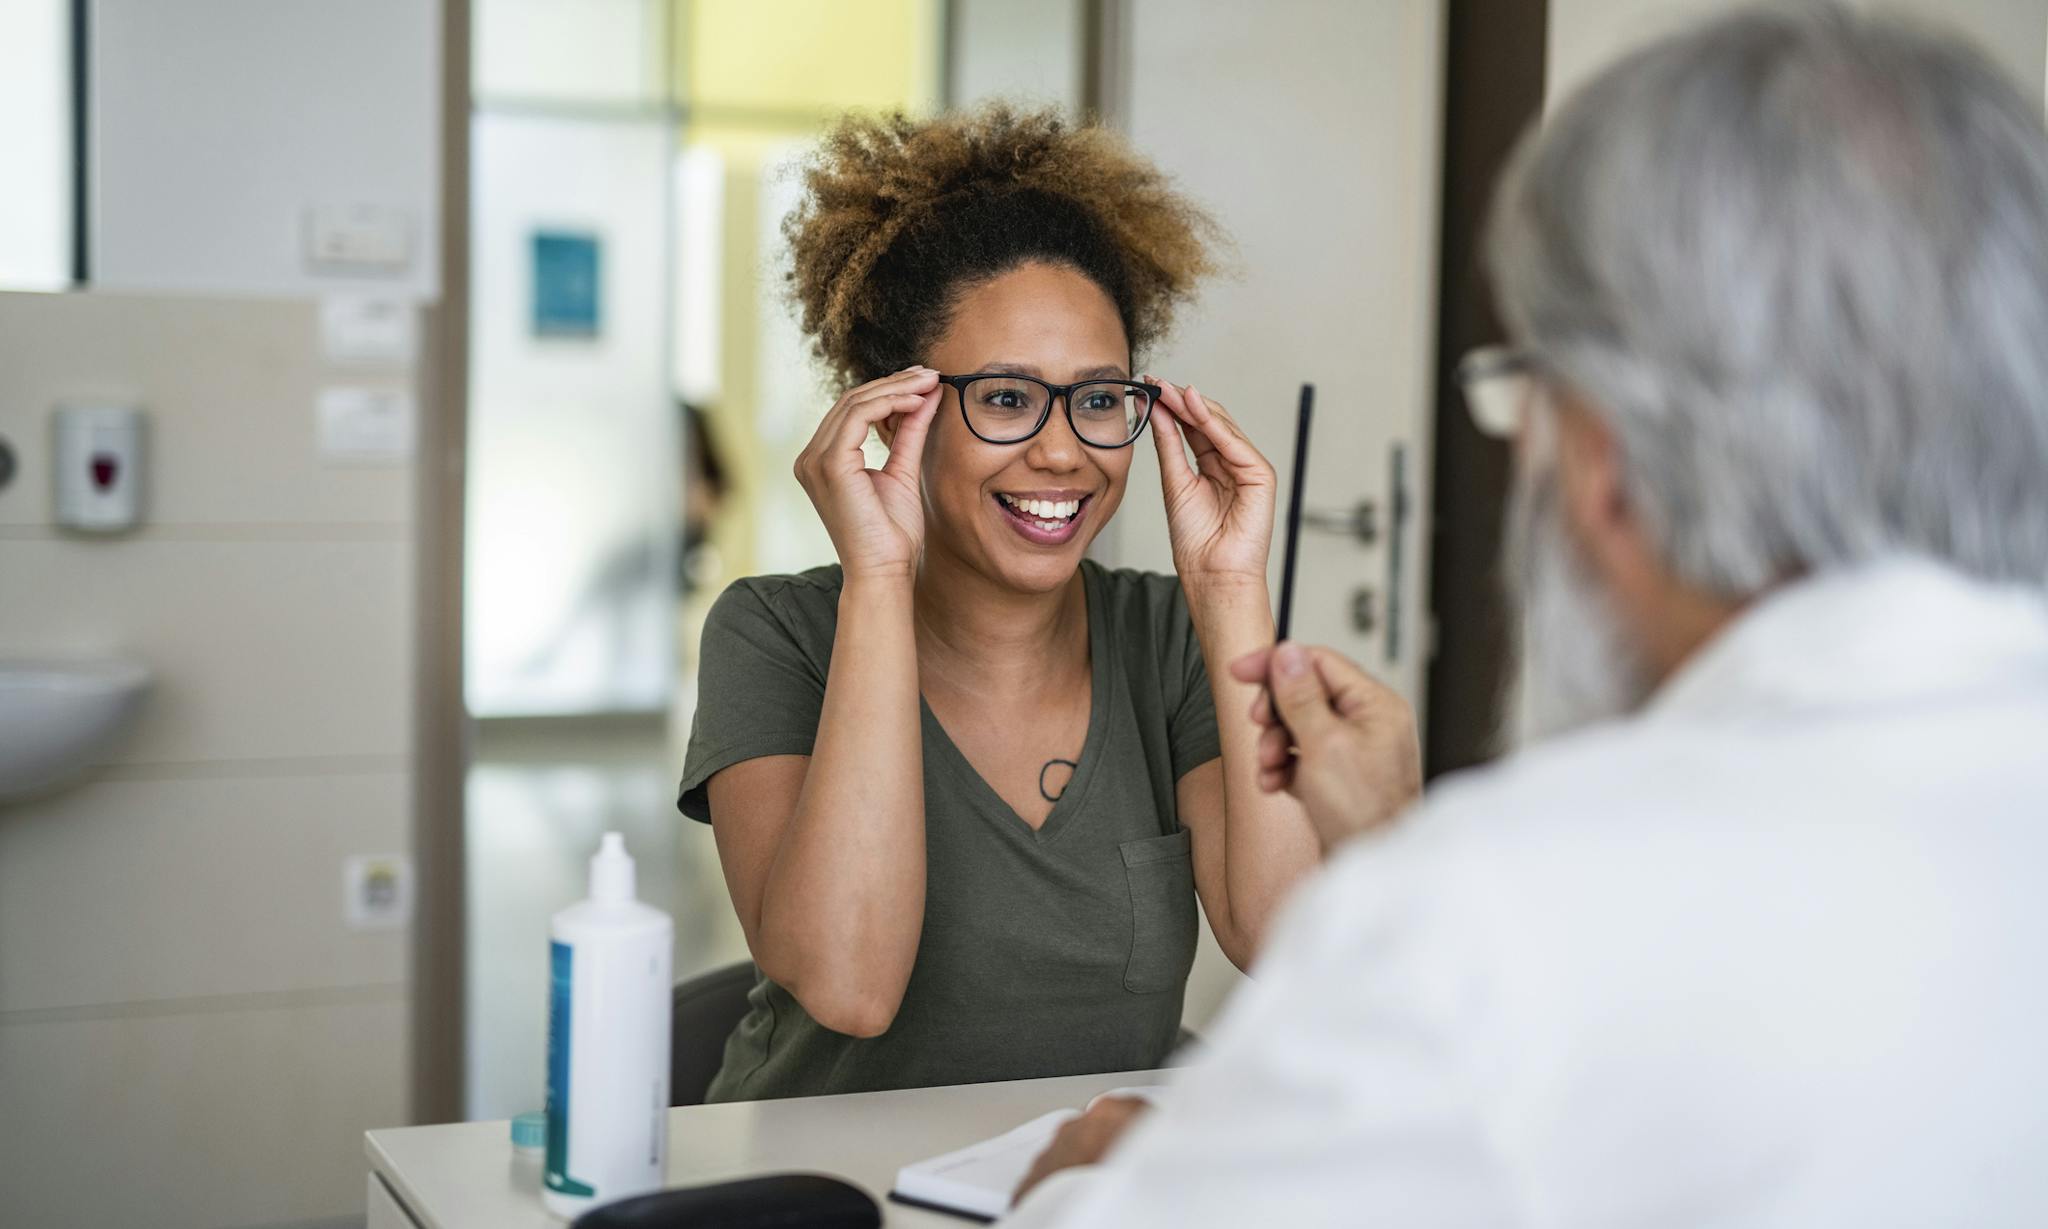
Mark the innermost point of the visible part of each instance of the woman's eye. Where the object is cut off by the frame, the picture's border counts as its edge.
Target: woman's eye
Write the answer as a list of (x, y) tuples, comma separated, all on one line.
[(1098, 402)]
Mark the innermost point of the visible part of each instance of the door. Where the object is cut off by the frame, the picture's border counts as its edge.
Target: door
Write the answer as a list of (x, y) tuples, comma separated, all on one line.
[(1311, 131)]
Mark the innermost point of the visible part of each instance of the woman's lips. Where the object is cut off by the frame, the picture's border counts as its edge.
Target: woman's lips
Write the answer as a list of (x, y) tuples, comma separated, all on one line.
[(1032, 529)]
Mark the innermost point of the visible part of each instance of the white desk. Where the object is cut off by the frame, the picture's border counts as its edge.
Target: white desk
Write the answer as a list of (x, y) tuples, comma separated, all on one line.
[(465, 1174)]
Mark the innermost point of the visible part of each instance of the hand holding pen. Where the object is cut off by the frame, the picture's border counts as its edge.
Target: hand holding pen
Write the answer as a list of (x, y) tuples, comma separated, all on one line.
[(1340, 741), (1337, 739)]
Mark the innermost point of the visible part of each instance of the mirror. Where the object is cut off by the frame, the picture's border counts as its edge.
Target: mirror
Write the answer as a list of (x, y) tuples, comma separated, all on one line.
[(220, 147)]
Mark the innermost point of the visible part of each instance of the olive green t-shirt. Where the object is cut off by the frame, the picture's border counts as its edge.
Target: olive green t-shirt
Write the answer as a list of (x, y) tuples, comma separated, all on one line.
[(1059, 951)]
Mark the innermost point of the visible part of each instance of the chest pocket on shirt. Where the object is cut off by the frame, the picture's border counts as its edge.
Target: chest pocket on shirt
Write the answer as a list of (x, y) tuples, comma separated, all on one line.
[(1162, 878)]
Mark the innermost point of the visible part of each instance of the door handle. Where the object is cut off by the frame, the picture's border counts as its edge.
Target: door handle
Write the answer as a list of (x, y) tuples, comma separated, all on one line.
[(1361, 522), (1363, 617), (1397, 537)]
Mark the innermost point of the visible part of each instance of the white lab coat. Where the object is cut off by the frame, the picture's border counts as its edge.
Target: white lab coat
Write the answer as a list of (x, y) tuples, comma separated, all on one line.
[(1773, 951)]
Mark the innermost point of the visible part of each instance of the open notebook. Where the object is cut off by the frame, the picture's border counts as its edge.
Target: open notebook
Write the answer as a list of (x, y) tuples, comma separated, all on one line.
[(976, 1181)]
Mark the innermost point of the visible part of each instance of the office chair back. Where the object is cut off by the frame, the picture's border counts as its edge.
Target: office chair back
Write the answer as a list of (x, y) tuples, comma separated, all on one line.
[(705, 1010)]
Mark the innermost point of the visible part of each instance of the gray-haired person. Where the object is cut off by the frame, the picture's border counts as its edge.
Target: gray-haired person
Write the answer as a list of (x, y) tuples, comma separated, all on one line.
[(1753, 930)]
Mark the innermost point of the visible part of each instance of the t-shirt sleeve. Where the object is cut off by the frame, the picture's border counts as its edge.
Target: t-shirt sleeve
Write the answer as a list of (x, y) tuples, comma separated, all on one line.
[(759, 692), (1191, 715)]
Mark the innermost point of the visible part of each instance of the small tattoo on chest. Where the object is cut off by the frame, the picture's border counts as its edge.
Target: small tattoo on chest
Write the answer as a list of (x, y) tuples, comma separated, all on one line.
[(1051, 789)]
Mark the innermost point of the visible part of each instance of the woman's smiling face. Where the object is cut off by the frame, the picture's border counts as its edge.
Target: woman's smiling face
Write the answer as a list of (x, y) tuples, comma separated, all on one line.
[(1040, 320)]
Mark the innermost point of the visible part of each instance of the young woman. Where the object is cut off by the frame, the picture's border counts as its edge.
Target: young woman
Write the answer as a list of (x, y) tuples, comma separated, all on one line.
[(968, 785)]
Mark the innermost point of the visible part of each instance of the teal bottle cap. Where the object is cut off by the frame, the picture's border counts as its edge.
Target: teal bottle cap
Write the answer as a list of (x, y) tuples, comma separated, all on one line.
[(530, 1131)]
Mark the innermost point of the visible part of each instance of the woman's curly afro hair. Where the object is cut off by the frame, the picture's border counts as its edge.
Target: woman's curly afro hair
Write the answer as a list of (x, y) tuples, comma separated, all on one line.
[(900, 216)]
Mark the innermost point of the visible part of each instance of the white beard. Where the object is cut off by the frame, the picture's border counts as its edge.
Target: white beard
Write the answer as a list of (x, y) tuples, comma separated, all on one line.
[(1574, 665)]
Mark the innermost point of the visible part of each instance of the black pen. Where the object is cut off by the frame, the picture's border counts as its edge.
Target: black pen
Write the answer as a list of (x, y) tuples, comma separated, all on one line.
[(1308, 401)]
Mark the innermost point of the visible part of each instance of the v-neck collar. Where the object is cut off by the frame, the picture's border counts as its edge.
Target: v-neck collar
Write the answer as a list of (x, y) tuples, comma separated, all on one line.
[(1101, 679)]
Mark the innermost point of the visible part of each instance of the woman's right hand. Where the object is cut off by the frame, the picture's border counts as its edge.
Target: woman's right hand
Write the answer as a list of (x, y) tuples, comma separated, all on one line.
[(875, 516)]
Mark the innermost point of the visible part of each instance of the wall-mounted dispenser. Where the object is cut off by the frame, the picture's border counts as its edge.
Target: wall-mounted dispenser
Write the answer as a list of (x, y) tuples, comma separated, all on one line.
[(99, 467)]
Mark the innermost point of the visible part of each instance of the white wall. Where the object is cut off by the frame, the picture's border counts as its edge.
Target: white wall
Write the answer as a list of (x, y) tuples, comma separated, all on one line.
[(217, 125), (189, 1035), (1027, 51), (1585, 34), (35, 144)]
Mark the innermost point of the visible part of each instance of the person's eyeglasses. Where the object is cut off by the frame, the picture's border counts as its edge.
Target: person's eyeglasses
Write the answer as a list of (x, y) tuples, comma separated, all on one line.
[(1009, 409), (1500, 383)]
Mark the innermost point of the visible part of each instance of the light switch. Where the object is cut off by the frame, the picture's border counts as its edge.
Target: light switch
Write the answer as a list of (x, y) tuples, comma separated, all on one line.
[(358, 239), (368, 329), (99, 467), (366, 424)]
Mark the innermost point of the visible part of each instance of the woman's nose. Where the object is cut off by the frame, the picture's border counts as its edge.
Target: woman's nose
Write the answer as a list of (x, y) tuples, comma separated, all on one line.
[(1056, 448)]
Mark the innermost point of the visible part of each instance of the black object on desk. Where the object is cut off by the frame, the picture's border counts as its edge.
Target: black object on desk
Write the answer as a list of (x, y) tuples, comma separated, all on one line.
[(777, 1201)]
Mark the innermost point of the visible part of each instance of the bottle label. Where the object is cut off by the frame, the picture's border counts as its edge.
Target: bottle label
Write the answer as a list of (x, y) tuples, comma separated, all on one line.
[(560, 1000)]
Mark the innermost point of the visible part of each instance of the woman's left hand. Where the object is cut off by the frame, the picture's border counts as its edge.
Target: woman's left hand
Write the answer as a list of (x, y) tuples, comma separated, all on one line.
[(1219, 511)]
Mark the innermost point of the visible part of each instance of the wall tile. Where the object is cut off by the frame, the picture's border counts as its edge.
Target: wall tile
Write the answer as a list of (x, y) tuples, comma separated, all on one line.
[(228, 386), (259, 648), (144, 891), (242, 1117)]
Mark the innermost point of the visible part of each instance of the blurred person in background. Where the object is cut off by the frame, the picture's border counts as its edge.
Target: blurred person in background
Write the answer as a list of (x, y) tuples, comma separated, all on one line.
[(967, 785), (706, 487), (1752, 933)]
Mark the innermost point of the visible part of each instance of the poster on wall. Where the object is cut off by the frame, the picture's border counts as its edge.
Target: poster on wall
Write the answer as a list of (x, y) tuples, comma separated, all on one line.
[(566, 285)]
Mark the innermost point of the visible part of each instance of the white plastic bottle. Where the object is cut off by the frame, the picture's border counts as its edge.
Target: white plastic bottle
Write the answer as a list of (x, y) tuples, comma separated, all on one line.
[(608, 1042)]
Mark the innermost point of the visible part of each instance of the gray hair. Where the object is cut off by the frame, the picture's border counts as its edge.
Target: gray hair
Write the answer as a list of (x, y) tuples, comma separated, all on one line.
[(1797, 259)]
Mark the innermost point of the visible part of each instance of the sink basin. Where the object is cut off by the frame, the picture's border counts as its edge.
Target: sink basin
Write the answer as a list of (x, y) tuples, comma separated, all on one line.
[(56, 717)]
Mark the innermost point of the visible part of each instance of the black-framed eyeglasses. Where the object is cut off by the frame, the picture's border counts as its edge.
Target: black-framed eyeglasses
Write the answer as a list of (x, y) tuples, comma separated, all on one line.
[(1001, 408)]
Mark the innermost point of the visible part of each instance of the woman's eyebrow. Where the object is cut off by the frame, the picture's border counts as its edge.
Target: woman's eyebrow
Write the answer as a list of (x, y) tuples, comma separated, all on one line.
[(1108, 371)]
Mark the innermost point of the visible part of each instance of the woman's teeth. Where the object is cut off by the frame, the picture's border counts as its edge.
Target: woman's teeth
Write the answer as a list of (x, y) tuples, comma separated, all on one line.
[(1049, 513)]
